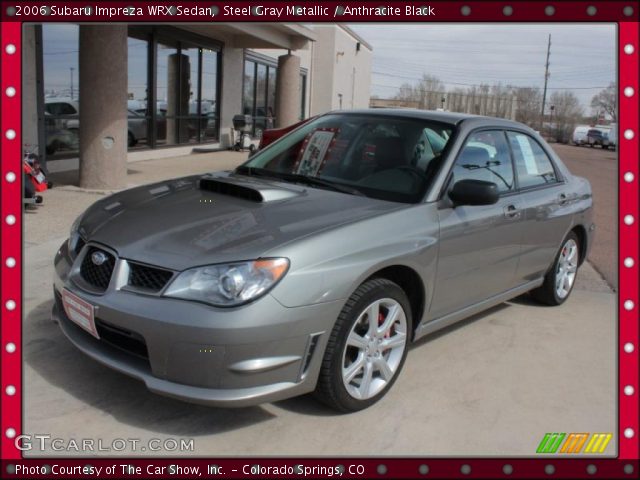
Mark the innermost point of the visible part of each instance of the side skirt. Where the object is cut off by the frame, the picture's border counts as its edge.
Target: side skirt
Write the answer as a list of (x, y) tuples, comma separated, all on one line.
[(432, 326)]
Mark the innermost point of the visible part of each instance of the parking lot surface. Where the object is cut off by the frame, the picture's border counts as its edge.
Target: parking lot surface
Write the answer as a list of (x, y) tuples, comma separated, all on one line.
[(491, 385), (600, 167)]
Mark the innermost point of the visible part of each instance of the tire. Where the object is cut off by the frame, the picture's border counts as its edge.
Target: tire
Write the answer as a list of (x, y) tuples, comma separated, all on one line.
[(131, 140), (379, 297), (565, 263)]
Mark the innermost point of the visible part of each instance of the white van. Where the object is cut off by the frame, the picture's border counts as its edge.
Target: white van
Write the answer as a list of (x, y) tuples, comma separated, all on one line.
[(579, 136), (613, 136)]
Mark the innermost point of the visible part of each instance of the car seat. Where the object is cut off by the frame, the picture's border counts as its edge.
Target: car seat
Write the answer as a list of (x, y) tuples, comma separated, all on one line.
[(390, 153), (472, 161)]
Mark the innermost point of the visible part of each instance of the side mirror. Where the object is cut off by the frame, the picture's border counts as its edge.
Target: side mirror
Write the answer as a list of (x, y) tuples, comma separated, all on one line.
[(474, 192)]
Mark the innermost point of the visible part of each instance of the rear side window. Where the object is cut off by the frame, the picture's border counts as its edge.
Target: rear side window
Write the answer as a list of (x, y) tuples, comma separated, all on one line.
[(533, 165), (486, 157)]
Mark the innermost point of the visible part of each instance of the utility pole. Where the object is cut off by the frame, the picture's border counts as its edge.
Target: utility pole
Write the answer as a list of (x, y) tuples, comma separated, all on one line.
[(546, 78), (71, 83)]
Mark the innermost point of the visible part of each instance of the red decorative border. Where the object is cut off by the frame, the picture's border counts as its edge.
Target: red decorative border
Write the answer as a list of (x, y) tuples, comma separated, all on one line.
[(628, 68), (11, 197), (625, 466)]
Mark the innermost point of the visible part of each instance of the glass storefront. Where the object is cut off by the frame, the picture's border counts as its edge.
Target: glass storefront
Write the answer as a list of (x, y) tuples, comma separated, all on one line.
[(259, 93), (172, 92), (61, 107)]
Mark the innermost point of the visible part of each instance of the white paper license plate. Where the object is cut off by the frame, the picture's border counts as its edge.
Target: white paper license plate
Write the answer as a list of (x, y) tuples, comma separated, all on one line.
[(79, 311), (40, 177)]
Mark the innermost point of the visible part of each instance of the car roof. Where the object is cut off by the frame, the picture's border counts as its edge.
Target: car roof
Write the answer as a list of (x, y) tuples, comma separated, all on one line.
[(452, 118)]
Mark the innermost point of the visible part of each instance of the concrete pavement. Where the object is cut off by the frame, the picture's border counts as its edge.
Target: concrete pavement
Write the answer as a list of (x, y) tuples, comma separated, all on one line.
[(491, 385)]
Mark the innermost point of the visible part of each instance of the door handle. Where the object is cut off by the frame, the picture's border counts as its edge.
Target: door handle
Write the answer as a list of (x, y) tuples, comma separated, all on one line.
[(511, 212), (562, 199)]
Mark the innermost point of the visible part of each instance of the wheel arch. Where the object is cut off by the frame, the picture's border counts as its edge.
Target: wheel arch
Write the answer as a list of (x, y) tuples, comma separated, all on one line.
[(411, 283), (581, 233)]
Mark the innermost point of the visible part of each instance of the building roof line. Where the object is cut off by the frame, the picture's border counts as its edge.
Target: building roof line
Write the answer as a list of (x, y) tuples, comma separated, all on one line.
[(355, 35)]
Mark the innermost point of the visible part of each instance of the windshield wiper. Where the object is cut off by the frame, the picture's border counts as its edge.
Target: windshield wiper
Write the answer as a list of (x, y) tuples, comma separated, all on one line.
[(297, 178)]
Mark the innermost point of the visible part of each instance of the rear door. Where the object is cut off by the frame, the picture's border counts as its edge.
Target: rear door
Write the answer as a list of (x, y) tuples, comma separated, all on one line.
[(479, 245), (546, 205)]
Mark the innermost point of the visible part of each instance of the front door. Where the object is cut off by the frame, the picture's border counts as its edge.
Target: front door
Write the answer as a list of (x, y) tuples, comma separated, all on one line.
[(479, 245)]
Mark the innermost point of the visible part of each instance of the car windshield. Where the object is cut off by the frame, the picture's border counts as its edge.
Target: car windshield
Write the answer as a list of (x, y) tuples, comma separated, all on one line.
[(384, 157)]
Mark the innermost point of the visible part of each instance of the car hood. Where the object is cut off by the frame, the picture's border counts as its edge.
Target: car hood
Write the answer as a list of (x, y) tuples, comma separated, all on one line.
[(180, 223)]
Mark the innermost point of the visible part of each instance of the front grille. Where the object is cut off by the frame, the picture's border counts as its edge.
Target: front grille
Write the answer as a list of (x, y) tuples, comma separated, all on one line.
[(97, 275), (130, 342), (148, 278)]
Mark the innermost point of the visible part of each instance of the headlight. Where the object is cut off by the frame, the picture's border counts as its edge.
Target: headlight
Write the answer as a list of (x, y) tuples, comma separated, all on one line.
[(230, 284), (74, 235)]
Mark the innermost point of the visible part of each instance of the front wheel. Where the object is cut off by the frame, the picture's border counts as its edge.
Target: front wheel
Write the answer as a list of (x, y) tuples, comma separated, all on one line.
[(559, 280), (367, 347)]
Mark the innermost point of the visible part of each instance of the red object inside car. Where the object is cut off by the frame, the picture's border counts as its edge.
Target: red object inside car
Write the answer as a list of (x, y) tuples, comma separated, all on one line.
[(273, 134)]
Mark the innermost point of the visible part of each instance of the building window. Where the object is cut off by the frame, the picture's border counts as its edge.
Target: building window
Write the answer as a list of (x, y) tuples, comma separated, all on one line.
[(178, 104), (60, 72), (259, 94)]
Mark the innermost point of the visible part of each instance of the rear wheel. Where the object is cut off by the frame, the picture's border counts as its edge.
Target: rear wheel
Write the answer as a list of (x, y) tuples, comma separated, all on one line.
[(559, 280), (367, 347)]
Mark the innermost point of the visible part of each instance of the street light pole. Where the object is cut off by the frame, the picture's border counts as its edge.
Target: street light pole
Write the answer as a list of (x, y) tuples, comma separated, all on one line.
[(546, 78)]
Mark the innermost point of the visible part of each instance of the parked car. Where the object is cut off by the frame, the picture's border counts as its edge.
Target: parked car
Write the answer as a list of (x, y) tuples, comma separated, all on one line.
[(314, 265), (61, 119), (579, 136), (62, 115), (272, 134), (596, 136)]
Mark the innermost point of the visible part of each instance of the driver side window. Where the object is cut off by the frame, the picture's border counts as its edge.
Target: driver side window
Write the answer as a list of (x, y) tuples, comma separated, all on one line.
[(485, 156)]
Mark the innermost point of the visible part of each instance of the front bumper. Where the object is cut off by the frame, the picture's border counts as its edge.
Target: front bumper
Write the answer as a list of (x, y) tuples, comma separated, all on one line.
[(233, 357)]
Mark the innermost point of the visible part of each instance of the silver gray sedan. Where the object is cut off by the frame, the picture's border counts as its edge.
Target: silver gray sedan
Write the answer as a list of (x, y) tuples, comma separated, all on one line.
[(312, 267)]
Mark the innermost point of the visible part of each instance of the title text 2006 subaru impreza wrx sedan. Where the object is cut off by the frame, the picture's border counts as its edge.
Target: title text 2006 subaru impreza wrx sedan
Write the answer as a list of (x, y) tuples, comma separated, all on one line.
[(312, 266)]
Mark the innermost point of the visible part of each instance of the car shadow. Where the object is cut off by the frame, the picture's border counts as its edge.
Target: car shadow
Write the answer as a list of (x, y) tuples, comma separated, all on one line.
[(460, 324), (308, 406), (59, 363)]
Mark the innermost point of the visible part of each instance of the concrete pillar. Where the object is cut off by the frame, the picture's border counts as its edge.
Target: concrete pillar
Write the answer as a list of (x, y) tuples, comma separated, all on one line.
[(178, 90), (103, 106), (288, 91)]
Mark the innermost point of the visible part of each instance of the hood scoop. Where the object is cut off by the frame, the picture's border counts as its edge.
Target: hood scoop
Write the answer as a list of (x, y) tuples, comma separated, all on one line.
[(252, 191), (231, 189)]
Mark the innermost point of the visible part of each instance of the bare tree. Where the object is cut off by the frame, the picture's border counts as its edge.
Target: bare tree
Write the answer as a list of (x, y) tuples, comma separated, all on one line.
[(426, 93), (567, 112), (529, 101), (605, 101)]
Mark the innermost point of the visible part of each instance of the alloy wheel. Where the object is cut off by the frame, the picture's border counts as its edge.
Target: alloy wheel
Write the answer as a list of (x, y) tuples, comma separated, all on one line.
[(374, 348), (566, 268)]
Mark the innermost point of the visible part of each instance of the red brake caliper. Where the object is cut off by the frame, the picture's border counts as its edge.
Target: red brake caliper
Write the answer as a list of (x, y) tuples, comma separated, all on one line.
[(380, 322)]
